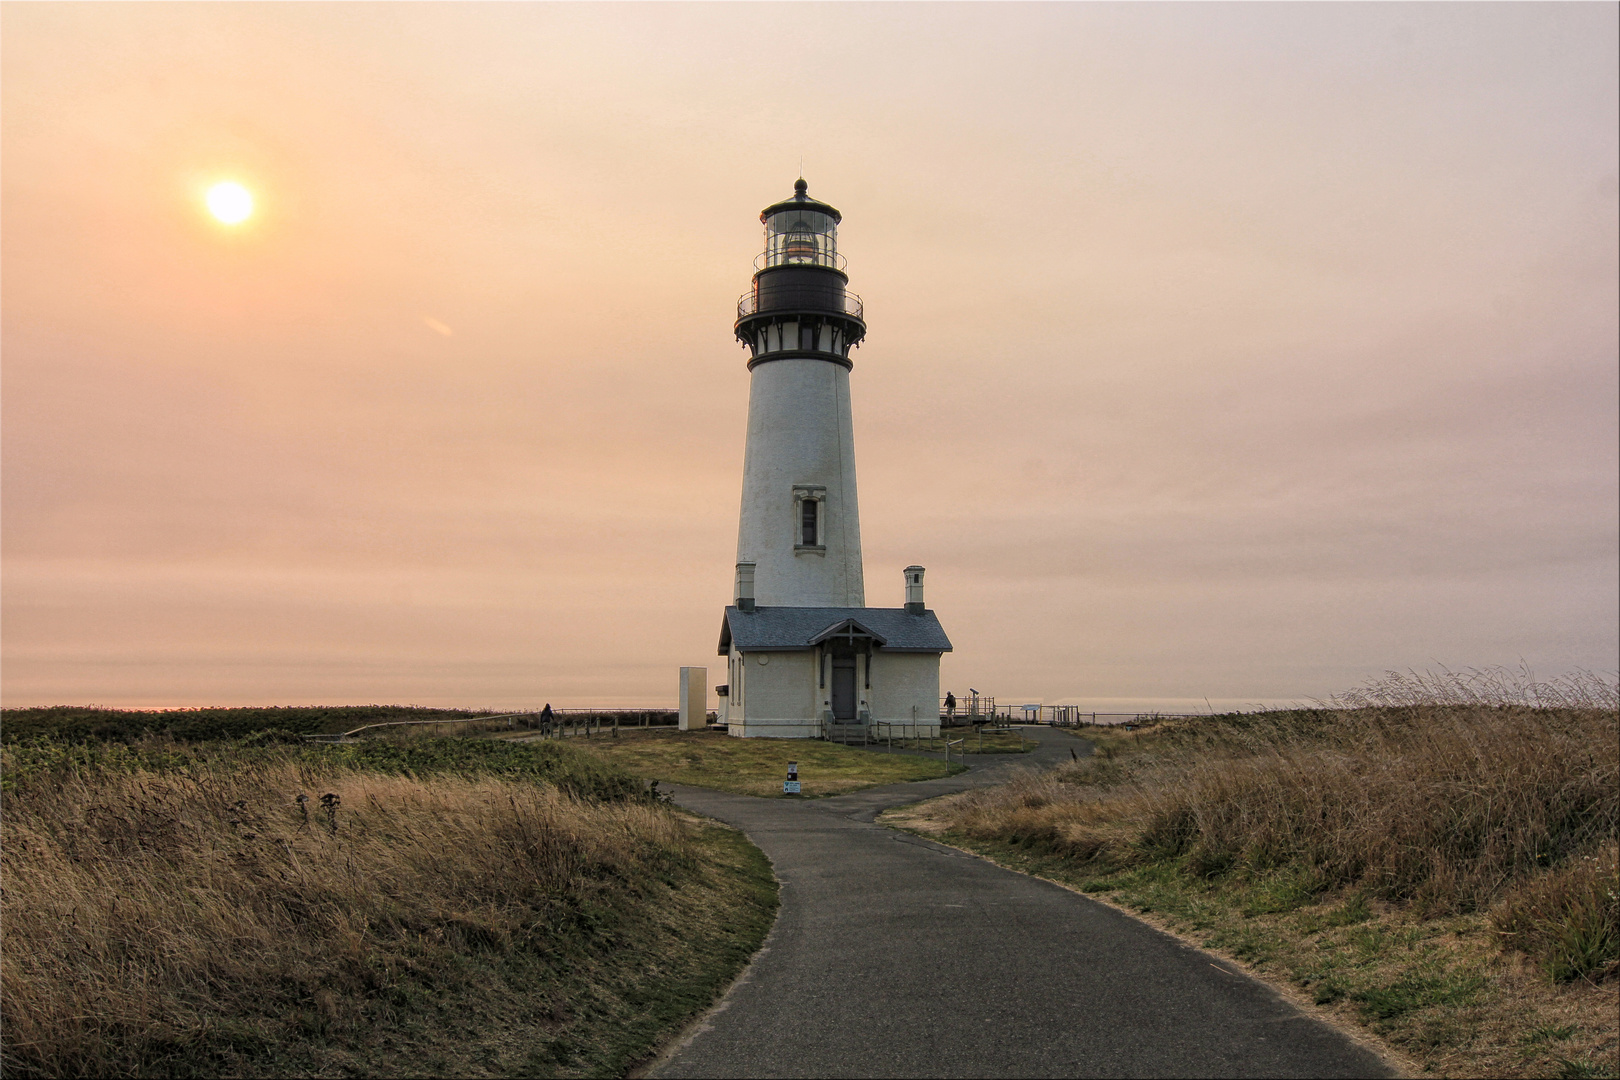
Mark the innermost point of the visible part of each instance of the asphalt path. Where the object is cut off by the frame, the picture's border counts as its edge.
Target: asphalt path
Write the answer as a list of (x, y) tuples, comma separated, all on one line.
[(895, 956)]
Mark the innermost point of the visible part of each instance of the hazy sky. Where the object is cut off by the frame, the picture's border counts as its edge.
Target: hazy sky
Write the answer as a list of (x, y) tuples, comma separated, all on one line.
[(1237, 352)]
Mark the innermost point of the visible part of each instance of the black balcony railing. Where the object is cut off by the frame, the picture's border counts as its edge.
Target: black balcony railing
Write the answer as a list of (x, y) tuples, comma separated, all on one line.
[(748, 304)]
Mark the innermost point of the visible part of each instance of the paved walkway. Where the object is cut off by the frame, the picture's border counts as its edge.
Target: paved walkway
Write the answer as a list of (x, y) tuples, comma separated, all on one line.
[(895, 956)]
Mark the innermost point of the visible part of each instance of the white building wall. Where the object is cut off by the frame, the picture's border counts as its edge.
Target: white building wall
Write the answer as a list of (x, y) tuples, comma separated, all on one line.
[(782, 698), (905, 689), (800, 433), (779, 697)]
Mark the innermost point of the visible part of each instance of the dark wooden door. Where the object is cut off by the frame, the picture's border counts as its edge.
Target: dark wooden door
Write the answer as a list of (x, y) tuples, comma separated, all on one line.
[(843, 688)]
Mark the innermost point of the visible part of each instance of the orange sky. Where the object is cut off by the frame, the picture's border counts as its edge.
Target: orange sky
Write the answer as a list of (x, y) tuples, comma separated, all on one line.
[(1226, 352)]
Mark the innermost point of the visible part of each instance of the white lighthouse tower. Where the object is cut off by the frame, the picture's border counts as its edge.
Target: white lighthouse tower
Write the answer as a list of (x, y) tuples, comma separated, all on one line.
[(800, 323), (800, 588)]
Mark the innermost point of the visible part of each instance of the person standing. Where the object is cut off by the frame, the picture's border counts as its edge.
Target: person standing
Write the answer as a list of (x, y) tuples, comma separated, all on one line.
[(950, 707), (545, 719)]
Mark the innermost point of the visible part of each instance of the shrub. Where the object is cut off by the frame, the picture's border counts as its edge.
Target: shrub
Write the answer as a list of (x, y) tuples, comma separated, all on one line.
[(1568, 919)]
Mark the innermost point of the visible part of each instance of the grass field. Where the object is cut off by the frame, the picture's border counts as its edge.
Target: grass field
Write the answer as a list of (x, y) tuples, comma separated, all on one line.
[(65, 723), (441, 907), (757, 766), (1443, 876)]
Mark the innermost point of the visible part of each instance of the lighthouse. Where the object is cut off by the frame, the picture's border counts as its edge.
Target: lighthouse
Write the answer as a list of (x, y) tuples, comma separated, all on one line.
[(800, 323), (806, 656)]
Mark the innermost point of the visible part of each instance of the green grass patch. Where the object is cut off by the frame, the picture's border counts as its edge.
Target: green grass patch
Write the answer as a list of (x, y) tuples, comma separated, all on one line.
[(1413, 992), (981, 740), (757, 766)]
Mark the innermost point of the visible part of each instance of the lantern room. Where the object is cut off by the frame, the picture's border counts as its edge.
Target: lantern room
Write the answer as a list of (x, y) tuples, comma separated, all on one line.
[(800, 305), (800, 232)]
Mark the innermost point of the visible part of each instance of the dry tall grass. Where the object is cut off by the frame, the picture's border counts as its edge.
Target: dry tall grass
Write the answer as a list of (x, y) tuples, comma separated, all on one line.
[(1580, 689), (208, 919), (1440, 806)]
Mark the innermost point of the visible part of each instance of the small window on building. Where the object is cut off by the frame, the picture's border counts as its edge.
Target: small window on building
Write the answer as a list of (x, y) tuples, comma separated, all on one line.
[(809, 527)]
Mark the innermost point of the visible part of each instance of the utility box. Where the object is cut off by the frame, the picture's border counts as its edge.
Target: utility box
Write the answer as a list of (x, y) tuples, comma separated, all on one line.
[(694, 698)]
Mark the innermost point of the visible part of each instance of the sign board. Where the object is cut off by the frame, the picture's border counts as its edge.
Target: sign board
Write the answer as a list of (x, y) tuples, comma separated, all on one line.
[(793, 770), (790, 787)]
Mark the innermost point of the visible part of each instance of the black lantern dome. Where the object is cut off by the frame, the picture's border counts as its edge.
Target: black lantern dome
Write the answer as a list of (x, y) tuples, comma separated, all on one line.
[(800, 305)]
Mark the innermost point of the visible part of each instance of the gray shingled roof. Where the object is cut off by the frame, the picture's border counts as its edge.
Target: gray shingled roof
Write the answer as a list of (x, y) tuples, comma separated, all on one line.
[(770, 629)]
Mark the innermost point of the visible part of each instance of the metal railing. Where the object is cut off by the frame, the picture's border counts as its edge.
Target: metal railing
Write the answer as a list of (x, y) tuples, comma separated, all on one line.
[(800, 256), (748, 304), (982, 709), (972, 709), (1071, 716), (932, 738)]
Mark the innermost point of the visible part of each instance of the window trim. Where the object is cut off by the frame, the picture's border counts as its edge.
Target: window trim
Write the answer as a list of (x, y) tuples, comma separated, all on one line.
[(809, 493)]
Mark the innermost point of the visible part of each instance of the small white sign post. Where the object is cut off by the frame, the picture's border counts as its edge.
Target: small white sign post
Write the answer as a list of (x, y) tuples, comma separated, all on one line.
[(790, 786)]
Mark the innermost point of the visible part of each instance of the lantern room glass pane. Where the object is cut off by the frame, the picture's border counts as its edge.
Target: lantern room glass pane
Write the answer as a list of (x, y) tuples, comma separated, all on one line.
[(803, 237)]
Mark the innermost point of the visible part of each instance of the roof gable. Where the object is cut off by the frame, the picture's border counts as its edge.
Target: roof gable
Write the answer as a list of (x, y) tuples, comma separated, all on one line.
[(848, 628), (782, 629)]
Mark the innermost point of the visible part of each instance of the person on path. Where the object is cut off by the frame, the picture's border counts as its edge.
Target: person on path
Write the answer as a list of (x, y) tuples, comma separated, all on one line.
[(545, 719), (950, 707)]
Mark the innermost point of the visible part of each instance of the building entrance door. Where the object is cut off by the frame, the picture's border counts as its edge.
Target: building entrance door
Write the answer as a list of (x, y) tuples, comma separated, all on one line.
[(843, 688)]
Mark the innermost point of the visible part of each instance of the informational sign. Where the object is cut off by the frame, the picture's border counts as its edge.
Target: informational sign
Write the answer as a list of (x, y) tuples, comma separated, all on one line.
[(790, 787)]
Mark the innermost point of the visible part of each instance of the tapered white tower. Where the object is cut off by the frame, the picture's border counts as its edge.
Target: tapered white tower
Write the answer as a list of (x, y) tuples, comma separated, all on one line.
[(800, 524)]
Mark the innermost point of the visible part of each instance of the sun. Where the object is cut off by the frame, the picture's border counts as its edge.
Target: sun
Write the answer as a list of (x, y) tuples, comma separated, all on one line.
[(230, 202)]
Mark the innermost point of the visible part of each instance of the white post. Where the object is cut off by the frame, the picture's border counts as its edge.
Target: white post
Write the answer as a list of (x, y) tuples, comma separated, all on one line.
[(694, 698)]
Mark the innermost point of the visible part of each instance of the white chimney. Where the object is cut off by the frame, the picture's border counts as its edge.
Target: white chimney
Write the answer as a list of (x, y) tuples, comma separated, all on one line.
[(914, 594), (745, 586)]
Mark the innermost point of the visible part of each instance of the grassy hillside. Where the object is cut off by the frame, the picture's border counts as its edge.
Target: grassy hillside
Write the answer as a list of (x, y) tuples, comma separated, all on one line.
[(71, 723), (429, 907), (1445, 875)]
